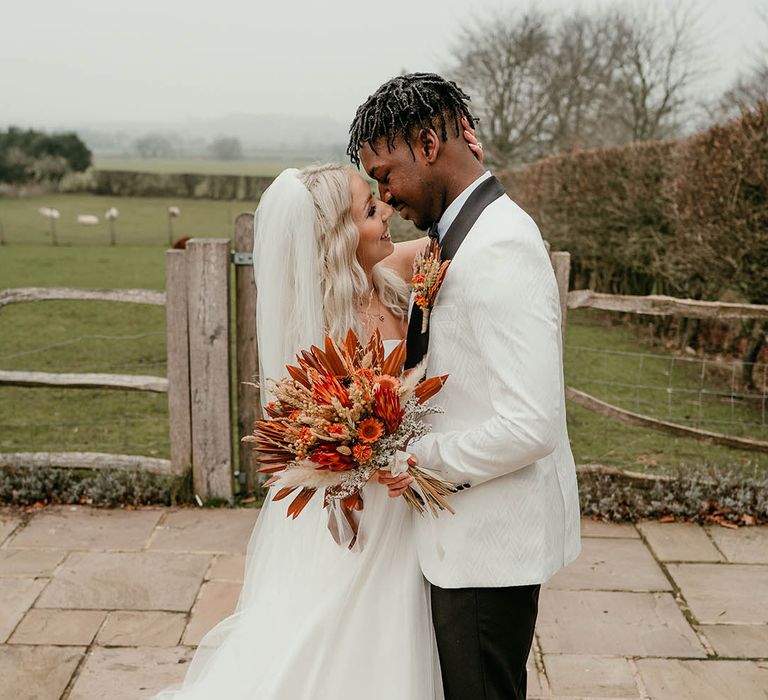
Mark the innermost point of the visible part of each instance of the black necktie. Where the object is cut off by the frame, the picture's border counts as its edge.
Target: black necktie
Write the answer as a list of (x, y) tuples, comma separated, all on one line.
[(417, 343)]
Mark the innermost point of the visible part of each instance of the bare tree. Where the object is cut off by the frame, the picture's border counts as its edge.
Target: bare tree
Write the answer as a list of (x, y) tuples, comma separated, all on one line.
[(586, 53), (156, 145), (503, 61), (659, 65), (226, 148), (747, 89), (542, 86)]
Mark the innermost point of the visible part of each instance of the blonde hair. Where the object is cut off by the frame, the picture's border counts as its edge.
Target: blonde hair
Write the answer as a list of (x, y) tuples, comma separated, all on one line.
[(343, 281)]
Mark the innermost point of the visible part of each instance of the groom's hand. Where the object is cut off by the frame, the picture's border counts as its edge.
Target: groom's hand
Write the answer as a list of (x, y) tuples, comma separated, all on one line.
[(397, 485)]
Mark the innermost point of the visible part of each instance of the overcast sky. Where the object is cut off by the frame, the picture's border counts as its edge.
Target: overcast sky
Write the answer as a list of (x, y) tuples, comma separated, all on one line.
[(70, 62)]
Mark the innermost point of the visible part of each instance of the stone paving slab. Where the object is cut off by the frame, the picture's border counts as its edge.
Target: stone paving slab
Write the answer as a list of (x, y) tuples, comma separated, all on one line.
[(126, 581), (66, 627), (673, 679), (37, 672), (614, 624), (535, 686), (738, 641), (142, 628), (679, 541), (601, 619), (612, 564), (205, 530), (724, 593), (8, 524), (29, 563), (81, 527), (590, 676), (747, 545), (16, 596), (227, 567), (217, 600), (597, 528), (130, 674)]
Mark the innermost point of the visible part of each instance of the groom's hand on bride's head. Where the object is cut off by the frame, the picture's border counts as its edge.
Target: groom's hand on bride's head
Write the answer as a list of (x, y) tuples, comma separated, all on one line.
[(474, 145)]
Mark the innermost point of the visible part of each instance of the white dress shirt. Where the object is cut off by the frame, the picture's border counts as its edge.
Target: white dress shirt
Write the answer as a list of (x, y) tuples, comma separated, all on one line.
[(455, 206)]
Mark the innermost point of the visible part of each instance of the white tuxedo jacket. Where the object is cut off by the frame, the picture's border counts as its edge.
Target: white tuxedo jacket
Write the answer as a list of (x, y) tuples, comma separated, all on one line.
[(495, 330)]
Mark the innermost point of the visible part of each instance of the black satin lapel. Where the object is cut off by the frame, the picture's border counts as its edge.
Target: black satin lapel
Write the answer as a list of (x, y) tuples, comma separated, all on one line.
[(486, 192)]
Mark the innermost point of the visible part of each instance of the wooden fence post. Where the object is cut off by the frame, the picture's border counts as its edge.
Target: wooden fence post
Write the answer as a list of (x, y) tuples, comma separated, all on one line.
[(208, 317), (561, 261), (177, 329), (248, 397)]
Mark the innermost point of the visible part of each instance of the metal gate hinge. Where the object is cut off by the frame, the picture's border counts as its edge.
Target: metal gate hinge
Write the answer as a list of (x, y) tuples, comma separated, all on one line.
[(242, 258)]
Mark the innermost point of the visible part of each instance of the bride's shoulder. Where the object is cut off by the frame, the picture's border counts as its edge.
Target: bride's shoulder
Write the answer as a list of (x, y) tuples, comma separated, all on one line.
[(401, 259)]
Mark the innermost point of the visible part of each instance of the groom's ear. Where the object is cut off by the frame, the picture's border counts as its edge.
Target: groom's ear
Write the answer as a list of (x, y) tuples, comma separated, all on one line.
[(429, 145)]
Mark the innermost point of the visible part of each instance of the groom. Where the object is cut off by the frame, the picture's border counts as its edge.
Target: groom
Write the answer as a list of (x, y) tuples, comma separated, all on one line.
[(495, 330)]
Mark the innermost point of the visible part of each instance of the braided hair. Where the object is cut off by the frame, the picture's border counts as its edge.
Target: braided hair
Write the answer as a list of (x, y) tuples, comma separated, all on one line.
[(404, 104)]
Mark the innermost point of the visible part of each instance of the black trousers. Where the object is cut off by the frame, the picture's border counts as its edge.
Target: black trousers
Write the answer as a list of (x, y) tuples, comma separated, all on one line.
[(484, 636)]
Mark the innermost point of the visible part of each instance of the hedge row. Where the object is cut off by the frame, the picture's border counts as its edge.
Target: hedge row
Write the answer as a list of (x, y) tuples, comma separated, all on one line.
[(139, 184), (688, 218)]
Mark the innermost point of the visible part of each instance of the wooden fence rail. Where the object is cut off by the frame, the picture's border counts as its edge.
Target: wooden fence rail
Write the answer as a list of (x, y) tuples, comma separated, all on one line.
[(197, 332), (664, 306), (136, 382), (132, 296), (86, 460), (609, 411)]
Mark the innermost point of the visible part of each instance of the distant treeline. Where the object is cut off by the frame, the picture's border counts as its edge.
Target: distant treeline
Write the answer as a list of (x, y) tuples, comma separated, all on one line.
[(29, 156), (687, 218)]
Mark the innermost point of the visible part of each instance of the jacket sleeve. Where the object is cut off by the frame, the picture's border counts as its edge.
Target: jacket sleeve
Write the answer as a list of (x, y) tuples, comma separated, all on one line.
[(513, 313)]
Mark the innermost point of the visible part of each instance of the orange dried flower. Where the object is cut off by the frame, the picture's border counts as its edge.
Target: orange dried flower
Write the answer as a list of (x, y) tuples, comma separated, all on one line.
[(418, 278), (328, 458), (370, 430), (305, 435), (386, 381), (336, 429), (366, 374), (362, 453), (294, 415)]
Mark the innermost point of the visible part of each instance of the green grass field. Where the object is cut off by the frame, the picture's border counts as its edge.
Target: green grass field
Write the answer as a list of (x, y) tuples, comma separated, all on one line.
[(196, 166), (126, 339), (142, 221)]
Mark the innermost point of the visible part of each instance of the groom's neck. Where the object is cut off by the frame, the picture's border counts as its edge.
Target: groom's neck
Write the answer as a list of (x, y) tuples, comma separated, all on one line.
[(460, 171)]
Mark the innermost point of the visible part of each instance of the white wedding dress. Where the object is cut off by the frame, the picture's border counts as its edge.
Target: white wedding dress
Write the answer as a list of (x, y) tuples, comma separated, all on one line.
[(316, 621)]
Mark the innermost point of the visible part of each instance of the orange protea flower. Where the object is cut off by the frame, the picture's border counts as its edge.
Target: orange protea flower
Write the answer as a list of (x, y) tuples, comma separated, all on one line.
[(418, 278), (386, 405), (327, 387), (336, 429), (362, 453), (328, 458), (387, 381), (370, 430)]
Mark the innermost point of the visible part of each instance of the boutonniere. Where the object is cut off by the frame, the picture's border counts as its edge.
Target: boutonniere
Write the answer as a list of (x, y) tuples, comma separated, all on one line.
[(428, 274)]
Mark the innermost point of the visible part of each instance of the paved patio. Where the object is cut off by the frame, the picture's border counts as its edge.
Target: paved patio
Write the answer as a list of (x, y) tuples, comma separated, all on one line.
[(110, 603)]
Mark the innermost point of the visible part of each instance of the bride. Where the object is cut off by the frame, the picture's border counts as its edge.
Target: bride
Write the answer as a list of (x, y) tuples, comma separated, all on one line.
[(314, 620)]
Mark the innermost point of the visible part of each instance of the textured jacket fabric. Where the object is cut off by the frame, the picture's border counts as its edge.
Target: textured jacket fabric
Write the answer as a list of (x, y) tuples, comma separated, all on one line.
[(495, 330)]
